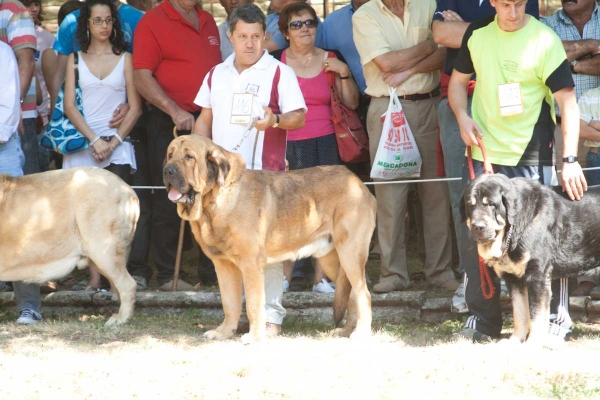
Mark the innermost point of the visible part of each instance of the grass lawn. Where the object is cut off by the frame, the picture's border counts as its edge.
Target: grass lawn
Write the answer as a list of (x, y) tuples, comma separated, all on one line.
[(164, 356)]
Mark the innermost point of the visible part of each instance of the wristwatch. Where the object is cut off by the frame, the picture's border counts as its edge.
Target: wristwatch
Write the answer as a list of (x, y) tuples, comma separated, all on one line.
[(573, 64), (570, 159), (276, 124)]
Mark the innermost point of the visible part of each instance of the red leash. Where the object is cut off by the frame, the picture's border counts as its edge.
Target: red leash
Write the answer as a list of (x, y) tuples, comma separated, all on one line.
[(487, 286)]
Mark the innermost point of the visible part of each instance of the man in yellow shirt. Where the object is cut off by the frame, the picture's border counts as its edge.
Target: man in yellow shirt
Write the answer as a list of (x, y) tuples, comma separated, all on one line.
[(395, 44)]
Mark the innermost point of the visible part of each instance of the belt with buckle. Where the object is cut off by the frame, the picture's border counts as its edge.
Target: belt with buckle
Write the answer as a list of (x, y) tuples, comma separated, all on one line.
[(558, 120), (421, 96)]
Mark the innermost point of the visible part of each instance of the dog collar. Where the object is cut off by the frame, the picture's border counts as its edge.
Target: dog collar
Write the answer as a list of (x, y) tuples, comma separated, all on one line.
[(510, 230)]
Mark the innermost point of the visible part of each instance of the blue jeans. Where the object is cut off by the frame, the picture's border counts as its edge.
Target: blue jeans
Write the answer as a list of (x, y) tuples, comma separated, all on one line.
[(454, 156), (593, 177), (12, 160)]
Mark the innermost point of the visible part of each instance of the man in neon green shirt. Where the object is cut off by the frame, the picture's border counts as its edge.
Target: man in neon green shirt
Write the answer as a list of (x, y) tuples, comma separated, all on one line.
[(521, 67)]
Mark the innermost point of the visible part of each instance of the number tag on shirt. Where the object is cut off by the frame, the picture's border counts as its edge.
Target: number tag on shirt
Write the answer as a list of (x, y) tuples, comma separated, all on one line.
[(241, 109), (510, 99)]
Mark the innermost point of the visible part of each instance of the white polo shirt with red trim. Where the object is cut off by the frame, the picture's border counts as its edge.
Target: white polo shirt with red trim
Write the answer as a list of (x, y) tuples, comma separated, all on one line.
[(273, 84)]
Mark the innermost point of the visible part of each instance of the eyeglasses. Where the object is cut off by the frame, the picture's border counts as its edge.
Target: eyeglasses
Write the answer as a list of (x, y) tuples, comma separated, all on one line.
[(310, 23), (100, 21)]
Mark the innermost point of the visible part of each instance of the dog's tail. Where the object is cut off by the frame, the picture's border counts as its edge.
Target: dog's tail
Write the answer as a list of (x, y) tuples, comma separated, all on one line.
[(342, 294)]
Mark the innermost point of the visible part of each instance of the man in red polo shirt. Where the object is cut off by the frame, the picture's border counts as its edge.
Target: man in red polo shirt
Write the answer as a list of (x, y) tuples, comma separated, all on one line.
[(175, 45)]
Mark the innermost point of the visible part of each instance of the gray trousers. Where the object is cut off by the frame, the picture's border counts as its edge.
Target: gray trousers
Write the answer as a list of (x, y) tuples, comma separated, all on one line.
[(454, 155), (273, 294)]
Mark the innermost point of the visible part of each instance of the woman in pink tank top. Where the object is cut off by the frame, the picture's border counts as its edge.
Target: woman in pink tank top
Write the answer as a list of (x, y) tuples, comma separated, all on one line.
[(315, 143)]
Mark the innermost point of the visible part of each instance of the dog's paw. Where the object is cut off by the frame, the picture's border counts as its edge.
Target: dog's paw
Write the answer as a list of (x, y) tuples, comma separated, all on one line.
[(115, 320), (512, 341), (216, 334), (547, 341), (249, 338), (518, 337), (362, 334), (341, 332)]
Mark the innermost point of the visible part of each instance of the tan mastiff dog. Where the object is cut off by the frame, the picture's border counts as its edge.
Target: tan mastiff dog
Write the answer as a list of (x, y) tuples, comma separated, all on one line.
[(55, 221), (244, 220)]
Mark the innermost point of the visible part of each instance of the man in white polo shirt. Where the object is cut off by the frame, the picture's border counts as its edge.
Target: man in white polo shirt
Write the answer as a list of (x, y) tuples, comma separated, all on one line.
[(248, 103)]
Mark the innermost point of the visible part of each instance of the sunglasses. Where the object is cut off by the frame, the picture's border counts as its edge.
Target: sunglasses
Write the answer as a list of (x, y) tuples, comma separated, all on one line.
[(310, 23), (100, 21)]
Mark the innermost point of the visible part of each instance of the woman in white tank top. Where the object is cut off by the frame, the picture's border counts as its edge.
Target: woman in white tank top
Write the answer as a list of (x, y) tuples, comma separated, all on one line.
[(106, 81)]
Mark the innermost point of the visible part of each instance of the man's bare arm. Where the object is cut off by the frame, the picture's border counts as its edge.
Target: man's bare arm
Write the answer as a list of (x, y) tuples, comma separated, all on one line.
[(589, 66), (270, 45), (578, 48), (203, 126), (290, 120), (58, 79), (449, 33), (430, 63), (26, 64), (433, 62), (149, 88), (403, 60), (588, 132), (573, 180)]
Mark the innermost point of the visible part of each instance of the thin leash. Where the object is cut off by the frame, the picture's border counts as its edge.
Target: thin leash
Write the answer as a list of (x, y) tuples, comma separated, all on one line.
[(179, 244), (487, 286)]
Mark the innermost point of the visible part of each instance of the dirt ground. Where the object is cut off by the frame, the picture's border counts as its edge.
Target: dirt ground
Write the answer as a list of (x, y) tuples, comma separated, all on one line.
[(165, 357)]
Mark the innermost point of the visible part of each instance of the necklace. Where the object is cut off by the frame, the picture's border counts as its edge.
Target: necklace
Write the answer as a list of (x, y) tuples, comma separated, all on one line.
[(100, 62), (297, 59)]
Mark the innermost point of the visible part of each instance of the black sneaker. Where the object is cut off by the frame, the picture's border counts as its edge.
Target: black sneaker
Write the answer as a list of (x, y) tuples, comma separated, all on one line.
[(474, 335)]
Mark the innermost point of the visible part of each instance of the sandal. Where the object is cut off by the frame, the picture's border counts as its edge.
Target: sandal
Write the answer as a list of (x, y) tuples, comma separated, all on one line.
[(93, 289), (79, 286), (48, 287)]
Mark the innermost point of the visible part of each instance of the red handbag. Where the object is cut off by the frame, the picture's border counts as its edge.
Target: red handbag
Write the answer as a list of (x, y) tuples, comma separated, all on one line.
[(352, 141)]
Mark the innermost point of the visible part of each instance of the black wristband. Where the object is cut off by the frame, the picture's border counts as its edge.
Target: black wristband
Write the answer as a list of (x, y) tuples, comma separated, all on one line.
[(346, 77)]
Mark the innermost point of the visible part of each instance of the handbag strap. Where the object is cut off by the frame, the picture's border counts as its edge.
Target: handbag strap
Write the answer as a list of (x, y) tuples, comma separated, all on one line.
[(331, 79), (76, 68)]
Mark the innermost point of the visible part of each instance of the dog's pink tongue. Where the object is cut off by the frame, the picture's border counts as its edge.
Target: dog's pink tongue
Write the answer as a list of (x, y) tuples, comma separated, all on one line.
[(174, 194)]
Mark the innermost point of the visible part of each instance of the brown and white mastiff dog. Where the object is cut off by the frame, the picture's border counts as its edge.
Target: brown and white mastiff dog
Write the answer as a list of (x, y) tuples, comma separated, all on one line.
[(244, 220), (55, 221)]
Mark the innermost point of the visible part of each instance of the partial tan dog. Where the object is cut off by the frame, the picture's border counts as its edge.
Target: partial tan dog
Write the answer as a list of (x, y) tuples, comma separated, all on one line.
[(55, 221), (244, 220)]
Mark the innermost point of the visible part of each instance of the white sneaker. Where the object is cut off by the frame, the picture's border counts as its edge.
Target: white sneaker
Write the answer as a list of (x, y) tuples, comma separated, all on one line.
[(286, 285), (323, 287), (459, 303)]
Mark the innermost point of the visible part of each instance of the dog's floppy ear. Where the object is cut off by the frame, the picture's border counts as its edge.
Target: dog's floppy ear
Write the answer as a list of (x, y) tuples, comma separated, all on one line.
[(463, 204), (218, 165), (511, 202)]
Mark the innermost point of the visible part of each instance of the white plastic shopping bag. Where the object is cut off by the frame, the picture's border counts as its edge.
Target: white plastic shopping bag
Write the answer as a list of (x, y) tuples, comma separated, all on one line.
[(397, 154)]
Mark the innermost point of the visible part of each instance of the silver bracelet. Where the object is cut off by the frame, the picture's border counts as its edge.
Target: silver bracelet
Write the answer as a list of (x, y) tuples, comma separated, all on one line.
[(119, 138), (94, 141)]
